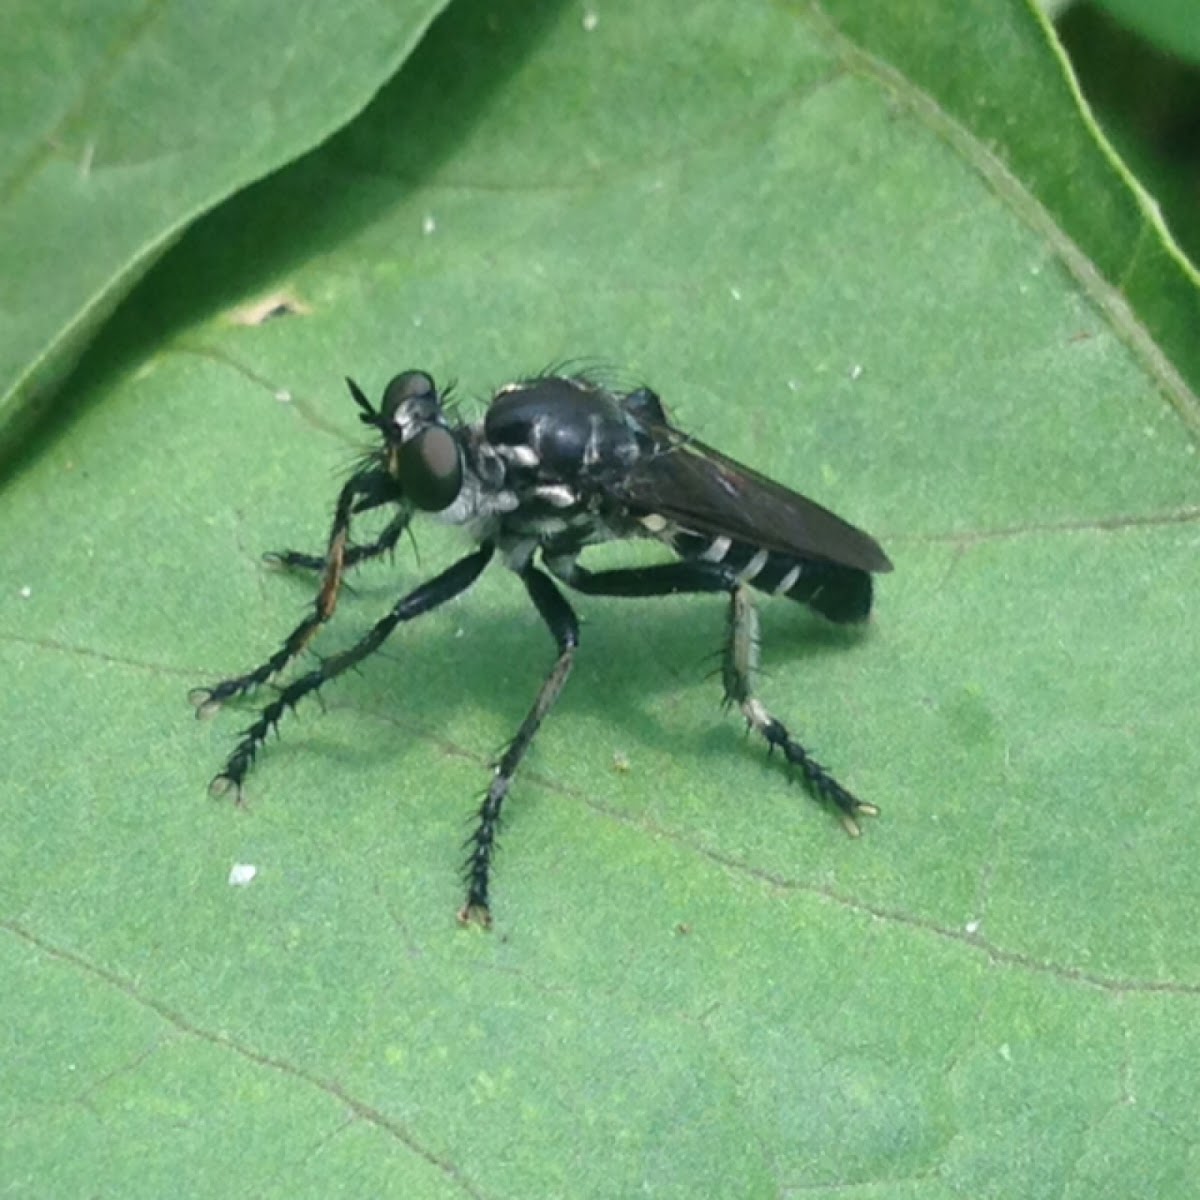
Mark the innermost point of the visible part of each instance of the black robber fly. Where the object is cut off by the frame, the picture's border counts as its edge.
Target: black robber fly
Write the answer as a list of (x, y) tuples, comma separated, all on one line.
[(559, 463)]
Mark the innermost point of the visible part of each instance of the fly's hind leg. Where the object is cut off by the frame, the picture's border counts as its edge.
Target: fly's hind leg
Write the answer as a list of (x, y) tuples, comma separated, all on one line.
[(739, 663)]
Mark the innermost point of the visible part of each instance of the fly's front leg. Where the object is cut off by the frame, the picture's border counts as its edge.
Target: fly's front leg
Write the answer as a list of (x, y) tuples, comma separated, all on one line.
[(564, 625), (208, 700), (421, 600), (386, 542), (739, 662)]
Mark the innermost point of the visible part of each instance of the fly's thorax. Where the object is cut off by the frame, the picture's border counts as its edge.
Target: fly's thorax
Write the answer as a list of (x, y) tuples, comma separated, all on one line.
[(560, 430), (483, 495)]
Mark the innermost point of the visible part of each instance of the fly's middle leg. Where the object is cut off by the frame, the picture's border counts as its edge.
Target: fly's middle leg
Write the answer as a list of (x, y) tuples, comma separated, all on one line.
[(564, 625)]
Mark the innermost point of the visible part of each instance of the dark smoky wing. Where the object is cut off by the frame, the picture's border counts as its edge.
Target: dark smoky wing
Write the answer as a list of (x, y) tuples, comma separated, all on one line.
[(702, 490)]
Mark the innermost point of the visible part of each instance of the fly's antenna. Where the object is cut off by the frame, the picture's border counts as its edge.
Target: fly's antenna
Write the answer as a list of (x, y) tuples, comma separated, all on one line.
[(368, 416)]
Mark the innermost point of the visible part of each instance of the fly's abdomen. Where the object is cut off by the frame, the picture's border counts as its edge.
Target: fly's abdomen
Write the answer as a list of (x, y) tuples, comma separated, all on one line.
[(837, 592)]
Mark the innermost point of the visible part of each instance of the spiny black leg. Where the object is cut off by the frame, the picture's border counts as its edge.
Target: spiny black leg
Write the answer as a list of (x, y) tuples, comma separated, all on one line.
[(421, 600), (739, 663), (208, 700), (564, 625), (738, 667), (385, 542)]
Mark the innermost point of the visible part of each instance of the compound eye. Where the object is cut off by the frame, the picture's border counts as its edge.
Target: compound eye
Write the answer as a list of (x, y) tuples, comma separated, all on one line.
[(430, 469), (412, 385)]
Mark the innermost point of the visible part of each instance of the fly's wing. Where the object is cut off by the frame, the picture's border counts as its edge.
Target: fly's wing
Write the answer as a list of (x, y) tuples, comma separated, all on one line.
[(703, 490)]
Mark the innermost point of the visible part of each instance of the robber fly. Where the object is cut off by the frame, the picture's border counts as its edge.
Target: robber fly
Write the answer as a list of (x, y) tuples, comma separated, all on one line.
[(559, 463)]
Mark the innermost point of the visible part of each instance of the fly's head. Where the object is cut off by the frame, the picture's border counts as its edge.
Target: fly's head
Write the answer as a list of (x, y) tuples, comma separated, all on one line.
[(420, 451)]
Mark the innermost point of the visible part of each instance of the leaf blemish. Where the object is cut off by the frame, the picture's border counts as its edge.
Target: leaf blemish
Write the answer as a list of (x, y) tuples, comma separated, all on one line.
[(269, 308)]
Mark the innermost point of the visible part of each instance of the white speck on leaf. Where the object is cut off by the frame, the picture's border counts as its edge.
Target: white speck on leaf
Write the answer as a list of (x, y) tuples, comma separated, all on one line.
[(241, 874)]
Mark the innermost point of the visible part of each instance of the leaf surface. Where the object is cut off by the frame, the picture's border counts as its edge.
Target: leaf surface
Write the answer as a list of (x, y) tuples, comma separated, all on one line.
[(696, 985)]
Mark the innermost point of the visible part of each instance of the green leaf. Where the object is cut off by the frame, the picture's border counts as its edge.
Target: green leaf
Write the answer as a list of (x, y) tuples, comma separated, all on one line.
[(1170, 24), (847, 252), (121, 123), (1145, 101)]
